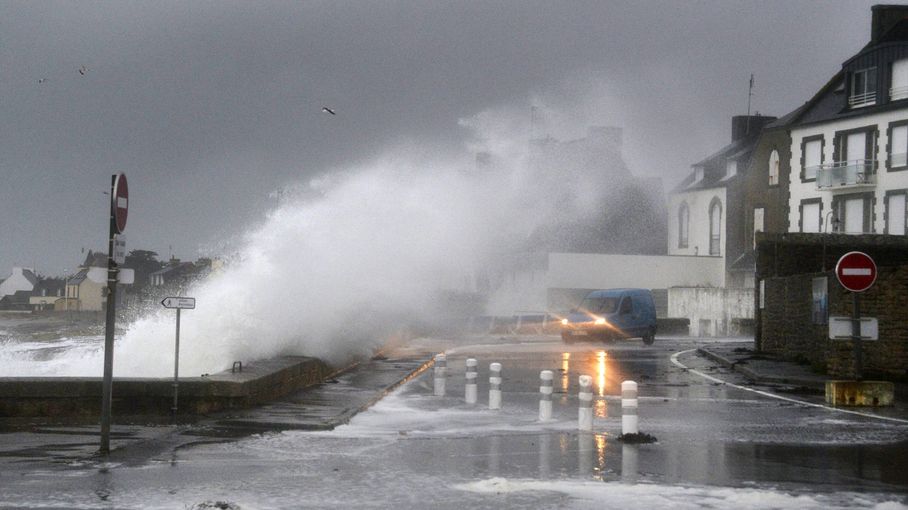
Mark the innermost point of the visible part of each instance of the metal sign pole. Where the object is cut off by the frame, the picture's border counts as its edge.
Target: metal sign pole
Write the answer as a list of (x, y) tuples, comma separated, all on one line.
[(856, 335), (107, 384), (176, 367)]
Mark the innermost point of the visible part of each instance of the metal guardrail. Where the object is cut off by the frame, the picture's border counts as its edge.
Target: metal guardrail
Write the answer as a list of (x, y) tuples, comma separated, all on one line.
[(859, 100), (896, 93), (856, 172)]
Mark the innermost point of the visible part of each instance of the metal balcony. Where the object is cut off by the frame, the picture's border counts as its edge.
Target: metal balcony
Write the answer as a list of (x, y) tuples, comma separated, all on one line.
[(855, 173)]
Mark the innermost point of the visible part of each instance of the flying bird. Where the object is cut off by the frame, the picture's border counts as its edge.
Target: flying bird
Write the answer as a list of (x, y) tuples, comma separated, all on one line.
[(42, 80), (328, 110), (83, 70)]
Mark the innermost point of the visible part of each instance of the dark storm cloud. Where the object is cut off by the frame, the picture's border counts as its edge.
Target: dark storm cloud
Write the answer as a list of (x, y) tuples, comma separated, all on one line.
[(210, 106)]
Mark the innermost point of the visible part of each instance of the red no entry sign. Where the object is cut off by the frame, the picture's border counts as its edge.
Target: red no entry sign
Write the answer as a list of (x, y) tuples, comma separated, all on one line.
[(856, 271), (120, 202)]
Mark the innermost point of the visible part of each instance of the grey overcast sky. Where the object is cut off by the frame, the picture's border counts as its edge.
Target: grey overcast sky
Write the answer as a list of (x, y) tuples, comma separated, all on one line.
[(208, 107)]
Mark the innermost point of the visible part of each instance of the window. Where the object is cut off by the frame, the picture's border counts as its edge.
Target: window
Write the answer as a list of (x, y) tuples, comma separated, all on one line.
[(863, 88), (819, 307), (759, 212), (626, 306), (683, 224), (762, 294), (811, 211), (899, 89), (898, 146), (853, 213), (715, 226), (774, 168), (731, 168), (895, 212), (811, 157)]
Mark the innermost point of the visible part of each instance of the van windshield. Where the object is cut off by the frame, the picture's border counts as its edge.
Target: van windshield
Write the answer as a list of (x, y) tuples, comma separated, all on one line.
[(599, 304)]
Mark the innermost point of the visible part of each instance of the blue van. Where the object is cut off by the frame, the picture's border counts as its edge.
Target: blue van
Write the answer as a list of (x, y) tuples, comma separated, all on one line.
[(610, 314)]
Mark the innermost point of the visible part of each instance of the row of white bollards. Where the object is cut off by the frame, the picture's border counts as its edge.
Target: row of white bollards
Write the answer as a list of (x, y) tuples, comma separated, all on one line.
[(629, 422)]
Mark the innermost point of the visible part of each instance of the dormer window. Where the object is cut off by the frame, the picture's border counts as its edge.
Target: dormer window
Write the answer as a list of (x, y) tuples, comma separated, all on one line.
[(899, 89), (731, 168), (698, 174), (863, 88)]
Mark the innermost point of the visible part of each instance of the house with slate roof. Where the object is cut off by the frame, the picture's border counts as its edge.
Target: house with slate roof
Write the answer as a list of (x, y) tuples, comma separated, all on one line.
[(21, 279), (849, 143)]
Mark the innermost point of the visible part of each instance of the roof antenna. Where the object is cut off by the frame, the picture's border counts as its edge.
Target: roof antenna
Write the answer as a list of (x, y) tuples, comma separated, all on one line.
[(532, 122), (750, 93)]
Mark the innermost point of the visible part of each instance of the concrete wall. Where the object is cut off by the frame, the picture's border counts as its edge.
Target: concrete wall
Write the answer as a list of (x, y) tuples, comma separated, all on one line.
[(711, 310), (594, 271), (72, 399)]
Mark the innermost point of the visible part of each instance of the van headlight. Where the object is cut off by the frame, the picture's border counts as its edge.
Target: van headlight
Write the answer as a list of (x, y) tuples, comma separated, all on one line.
[(600, 321), (564, 322)]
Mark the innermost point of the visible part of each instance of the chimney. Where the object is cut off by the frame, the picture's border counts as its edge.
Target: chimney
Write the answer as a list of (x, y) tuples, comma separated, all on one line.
[(884, 18), (743, 126)]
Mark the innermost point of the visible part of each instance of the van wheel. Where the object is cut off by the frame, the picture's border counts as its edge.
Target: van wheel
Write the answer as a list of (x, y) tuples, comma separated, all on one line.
[(649, 337)]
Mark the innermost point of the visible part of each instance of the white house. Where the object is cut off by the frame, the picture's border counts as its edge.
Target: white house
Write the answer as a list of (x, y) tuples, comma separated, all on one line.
[(21, 279), (849, 153)]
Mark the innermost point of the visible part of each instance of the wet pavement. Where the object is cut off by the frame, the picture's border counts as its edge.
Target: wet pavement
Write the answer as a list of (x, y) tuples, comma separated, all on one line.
[(719, 445)]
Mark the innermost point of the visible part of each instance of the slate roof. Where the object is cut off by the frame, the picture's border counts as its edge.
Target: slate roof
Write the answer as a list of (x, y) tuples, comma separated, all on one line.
[(830, 102), (714, 171)]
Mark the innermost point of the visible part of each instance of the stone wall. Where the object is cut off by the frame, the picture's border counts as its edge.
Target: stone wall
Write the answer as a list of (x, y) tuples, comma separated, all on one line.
[(788, 330)]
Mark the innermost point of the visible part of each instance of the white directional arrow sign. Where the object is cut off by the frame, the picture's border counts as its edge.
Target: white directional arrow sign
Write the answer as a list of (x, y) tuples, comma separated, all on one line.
[(182, 303)]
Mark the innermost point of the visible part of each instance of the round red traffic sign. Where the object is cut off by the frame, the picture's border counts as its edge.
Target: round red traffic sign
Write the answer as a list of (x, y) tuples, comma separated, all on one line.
[(856, 271), (120, 202)]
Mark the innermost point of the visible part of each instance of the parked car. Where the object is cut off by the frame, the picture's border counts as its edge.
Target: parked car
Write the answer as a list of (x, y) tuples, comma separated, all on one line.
[(611, 314)]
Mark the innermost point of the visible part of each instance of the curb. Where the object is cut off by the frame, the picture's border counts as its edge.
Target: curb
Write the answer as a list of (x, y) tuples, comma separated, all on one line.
[(756, 376)]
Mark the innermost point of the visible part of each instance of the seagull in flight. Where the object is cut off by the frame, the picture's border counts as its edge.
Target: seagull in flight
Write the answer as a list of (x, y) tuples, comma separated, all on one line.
[(42, 80), (328, 110), (83, 70)]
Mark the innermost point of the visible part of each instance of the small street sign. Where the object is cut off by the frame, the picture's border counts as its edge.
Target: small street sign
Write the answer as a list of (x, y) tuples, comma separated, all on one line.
[(119, 249), (840, 328), (179, 303), (856, 271), (120, 202)]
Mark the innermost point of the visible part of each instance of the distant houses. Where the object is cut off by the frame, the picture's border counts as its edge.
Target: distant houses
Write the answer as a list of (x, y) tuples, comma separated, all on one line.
[(84, 290)]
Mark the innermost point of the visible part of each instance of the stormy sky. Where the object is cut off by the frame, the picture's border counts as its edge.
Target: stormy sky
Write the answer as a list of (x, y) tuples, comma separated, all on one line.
[(209, 107)]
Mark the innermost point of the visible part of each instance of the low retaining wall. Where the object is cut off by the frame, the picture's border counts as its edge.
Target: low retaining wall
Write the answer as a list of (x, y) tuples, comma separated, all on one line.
[(80, 397)]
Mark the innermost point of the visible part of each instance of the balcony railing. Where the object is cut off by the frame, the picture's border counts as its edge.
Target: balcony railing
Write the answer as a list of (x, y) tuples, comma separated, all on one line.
[(858, 100), (846, 174), (896, 93)]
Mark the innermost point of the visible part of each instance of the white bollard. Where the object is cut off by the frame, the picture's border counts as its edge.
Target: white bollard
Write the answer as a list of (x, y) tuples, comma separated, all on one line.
[(470, 391), (545, 395), (441, 374), (629, 407), (495, 386), (585, 414)]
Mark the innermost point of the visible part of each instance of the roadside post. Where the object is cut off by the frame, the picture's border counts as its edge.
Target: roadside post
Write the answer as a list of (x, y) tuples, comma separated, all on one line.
[(178, 303), (441, 372), (585, 412), (856, 271), (471, 375), (119, 207), (545, 395), (495, 386)]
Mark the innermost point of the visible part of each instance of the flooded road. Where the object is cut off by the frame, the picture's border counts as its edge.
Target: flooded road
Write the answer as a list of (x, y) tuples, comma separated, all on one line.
[(717, 446)]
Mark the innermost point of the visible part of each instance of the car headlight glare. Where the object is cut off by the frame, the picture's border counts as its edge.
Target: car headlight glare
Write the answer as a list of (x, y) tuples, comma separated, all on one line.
[(564, 322), (600, 321)]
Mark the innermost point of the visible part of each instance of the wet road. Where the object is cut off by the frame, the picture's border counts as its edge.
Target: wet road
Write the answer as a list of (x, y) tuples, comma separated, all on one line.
[(718, 446)]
